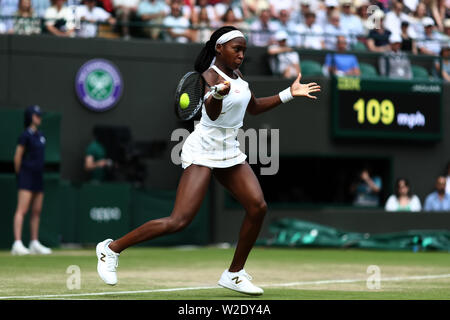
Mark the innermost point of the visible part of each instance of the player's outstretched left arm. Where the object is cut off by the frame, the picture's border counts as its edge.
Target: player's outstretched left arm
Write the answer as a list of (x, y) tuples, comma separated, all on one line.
[(297, 89)]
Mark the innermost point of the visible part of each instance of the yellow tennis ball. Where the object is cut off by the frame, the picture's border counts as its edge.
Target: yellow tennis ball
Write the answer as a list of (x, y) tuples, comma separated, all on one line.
[(184, 101)]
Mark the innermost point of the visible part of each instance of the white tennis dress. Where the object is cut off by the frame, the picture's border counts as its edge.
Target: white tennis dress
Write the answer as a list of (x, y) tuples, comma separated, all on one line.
[(214, 144)]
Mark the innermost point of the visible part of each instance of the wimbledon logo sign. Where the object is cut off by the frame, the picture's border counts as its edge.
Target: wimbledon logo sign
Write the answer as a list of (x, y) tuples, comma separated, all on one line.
[(99, 85)]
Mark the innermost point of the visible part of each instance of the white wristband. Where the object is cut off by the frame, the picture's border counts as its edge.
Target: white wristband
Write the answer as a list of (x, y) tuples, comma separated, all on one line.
[(286, 95)]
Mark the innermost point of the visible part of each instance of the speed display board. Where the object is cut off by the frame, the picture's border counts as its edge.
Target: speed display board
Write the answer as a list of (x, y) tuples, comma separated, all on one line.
[(396, 109)]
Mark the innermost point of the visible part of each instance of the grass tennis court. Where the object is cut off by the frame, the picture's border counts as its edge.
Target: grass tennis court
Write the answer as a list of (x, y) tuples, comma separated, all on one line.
[(192, 273)]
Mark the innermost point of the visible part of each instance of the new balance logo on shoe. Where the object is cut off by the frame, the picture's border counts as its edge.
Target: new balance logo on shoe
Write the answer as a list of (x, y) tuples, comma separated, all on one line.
[(103, 257), (236, 280)]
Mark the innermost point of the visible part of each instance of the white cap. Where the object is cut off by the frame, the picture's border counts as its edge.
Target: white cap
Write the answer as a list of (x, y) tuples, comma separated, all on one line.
[(305, 2), (427, 21), (281, 35), (395, 38), (331, 3)]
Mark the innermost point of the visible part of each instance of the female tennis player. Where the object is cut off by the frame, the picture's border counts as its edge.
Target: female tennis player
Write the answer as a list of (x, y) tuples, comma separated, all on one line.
[(212, 149), (29, 167)]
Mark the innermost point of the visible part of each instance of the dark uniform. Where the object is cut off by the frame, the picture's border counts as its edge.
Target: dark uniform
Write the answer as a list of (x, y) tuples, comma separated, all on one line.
[(30, 176)]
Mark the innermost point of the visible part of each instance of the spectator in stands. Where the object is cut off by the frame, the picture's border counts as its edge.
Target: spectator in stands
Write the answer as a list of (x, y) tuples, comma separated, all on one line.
[(222, 7), (378, 38), (284, 23), (366, 189), (39, 7), (60, 20), (177, 25), (7, 9), (445, 72), (403, 199), (202, 32), (362, 9), (29, 161), (152, 12), (255, 7), (408, 39), (323, 15), (311, 34), (277, 5), (298, 16), (416, 20), (438, 200), (210, 12), (26, 21), (431, 43), (395, 63), (332, 30), (262, 30), (89, 15), (96, 163), (350, 22), (394, 18), (229, 19), (341, 63), (285, 61), (125, 10)]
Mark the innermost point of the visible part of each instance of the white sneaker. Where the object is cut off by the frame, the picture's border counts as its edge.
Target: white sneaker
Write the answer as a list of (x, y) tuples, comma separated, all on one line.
[(18, 249), (240, 282), (108, 261), (37, 248)]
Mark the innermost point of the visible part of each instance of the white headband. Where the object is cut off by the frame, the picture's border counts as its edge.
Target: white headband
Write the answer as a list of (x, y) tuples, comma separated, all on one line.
[(229, 36)]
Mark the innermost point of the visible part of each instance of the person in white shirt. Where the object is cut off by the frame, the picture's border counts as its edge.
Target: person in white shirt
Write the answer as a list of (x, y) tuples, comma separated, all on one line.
[(332, 30), (323, 15), (403, 199), (311, 34), (431, 43), (60, 20), (213, 17), (177, 25), (393, 19), (89, 14), (350, 21), (125, 9), (262, 30), (284, 23), (284, 61)]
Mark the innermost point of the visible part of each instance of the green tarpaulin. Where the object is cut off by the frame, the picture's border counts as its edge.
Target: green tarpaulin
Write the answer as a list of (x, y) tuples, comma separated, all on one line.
[(290, 232)]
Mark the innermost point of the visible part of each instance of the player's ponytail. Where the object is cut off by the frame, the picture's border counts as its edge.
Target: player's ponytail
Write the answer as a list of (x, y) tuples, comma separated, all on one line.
[(208, 52)]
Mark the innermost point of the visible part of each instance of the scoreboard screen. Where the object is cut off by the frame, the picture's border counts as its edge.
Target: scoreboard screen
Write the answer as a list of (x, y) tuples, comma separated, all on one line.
[(396, 109)]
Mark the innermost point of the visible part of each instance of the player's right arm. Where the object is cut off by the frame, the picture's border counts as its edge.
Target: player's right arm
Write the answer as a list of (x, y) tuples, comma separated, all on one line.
[(214, 106), (20, 150)]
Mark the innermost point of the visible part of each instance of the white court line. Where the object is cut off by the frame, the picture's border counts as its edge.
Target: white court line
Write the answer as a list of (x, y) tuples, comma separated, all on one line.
[(290, 284)]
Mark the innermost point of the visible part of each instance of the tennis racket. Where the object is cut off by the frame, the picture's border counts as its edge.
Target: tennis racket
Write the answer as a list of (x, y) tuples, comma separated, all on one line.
[(190, 94)]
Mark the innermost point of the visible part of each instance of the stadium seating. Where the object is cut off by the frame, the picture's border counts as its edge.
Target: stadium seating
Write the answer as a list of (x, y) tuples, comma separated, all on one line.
[(368, 70), (310, 68), (419, 72)]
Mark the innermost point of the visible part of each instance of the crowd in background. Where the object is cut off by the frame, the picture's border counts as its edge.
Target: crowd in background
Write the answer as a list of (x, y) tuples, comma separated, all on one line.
[(394, 28), (367, 187)]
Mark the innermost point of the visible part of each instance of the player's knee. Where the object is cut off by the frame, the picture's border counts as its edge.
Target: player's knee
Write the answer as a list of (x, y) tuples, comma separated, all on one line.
[(259, 209)]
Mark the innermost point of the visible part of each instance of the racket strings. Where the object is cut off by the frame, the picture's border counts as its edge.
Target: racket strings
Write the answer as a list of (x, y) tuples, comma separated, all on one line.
[(193, 86)]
